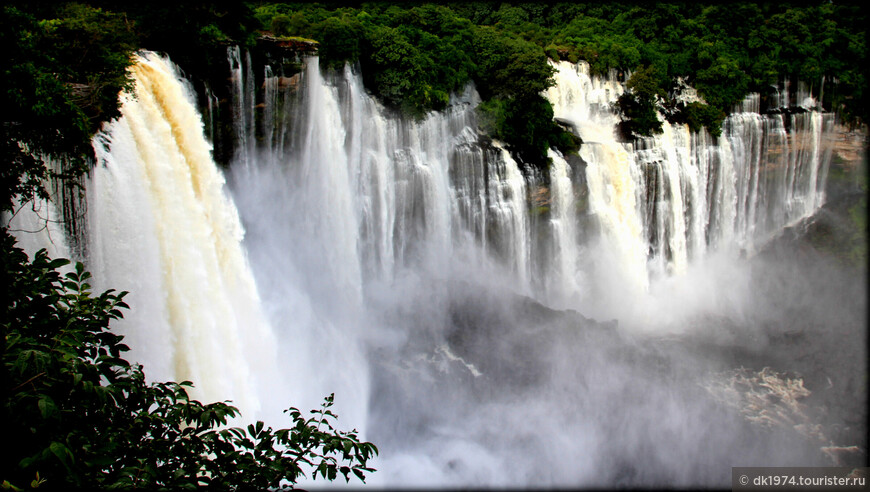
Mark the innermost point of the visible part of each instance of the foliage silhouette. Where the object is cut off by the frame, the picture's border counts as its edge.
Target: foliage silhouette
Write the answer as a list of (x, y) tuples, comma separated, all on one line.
[(76, 414)]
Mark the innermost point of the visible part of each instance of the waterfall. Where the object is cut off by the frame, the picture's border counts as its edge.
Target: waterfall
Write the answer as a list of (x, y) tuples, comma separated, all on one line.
[(564, 253), (667, 200), (355, 197), (243, 97), (613, 177), (163, 227), (779, 174), (351, 199), (382, 191), (409, 264)]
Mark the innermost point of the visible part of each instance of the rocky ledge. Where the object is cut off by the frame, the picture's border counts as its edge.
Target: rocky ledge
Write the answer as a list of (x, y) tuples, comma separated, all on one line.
[(290, 43)]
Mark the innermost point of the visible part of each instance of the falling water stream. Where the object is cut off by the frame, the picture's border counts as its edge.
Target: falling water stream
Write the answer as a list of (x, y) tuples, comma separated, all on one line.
[(444, 292)]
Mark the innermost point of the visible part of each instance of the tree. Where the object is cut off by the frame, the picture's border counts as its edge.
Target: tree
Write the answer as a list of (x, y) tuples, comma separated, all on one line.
[(194, 34), (63, 72), (76, 414), (340, 39), (638, 106)]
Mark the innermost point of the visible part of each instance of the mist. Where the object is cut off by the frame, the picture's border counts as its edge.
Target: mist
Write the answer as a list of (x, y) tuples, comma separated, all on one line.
[(482, 348), (647, 316)]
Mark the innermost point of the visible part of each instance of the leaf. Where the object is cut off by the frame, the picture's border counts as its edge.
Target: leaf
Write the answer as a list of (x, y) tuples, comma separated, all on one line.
[(47, 408), (26, 462), (61, 451), (57, 263)]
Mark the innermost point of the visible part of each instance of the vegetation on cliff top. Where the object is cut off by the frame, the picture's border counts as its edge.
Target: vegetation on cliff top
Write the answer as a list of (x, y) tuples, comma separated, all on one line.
[(65, 65), (64, 68), (415, 53), (414, 56)]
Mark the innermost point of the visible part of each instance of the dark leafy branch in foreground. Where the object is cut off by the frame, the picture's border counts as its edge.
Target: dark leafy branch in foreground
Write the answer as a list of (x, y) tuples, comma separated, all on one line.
[(76, 414)]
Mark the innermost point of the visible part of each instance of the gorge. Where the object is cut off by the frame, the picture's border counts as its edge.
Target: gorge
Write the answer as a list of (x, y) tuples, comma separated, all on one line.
[(637, 314)]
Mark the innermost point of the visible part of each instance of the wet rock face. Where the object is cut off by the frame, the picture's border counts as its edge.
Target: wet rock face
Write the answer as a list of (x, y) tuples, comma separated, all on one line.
[(510, 338), (850, 146), (283, 55)]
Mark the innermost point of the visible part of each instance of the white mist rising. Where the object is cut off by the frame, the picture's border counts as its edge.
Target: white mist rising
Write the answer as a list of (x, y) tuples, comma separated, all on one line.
[(415, 271)]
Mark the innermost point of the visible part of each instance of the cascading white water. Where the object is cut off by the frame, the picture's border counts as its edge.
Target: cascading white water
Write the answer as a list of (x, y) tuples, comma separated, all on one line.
[(668, 199), (370, 234), (371, 194), (563, 220), (243, 97), (614, 180), (780, 174), (409, 191), (48, 223), (350, 199), (163, 227), (508, 185)]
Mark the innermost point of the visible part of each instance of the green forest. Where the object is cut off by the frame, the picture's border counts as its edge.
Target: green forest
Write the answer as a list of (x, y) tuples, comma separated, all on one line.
[(78, 414), (414, 54), (65, 63)]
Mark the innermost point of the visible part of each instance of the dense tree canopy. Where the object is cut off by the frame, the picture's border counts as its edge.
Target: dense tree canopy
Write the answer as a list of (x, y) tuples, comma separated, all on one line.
[(413, 54), (65, 65), (64, 68), (67, 60)]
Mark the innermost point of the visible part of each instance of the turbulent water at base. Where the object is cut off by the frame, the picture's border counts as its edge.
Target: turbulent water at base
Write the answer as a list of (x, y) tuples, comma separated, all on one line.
[(435, 285)]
